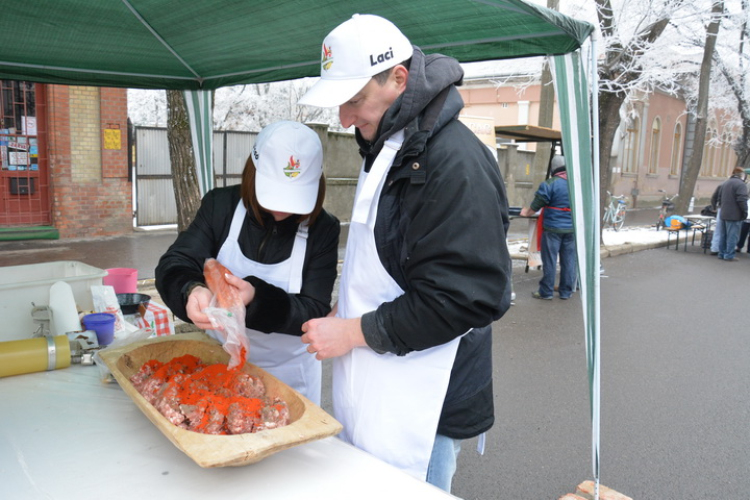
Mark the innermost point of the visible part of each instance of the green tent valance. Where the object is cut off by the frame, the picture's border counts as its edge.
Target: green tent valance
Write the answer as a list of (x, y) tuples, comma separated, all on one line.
[(192, 45)]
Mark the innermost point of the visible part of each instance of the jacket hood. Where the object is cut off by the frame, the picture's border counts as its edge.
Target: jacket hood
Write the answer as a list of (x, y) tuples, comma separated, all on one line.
[(429, 76)]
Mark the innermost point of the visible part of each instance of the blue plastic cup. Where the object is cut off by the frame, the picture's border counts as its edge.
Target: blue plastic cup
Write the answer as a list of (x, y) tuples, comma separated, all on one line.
[(104, 326)]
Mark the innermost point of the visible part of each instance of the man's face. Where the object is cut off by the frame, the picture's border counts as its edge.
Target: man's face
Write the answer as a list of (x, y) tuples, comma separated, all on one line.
[(368, 106)]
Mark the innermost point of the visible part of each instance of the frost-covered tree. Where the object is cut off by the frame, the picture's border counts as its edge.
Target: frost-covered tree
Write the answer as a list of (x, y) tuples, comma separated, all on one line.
[(632, 61), (731, 60), (240, 107), (147, 108), (690, 174), (184, 175)]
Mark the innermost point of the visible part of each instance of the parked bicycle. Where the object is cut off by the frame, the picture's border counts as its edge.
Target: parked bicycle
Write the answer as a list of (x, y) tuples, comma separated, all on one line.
[(667, 208), (614, 214)]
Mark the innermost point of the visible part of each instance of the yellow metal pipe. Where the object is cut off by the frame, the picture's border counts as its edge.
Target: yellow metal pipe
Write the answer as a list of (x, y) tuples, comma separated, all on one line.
[(34, 355)]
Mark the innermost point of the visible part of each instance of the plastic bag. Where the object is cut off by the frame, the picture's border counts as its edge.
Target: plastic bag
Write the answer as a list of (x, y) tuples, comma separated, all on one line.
[(229, 328), (105, 300), (128, 337), (226, 312)]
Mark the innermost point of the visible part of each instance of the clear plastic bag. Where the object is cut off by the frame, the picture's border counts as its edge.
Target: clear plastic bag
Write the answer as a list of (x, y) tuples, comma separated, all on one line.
[(130, 336), (229, 327)]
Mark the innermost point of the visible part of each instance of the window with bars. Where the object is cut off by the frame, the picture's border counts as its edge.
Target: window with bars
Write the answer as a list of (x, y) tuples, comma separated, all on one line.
[(24, 180), (18, 127)]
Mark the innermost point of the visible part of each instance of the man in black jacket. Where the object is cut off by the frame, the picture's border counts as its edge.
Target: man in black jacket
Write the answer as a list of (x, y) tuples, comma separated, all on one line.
[(427, 269), (733, 211)]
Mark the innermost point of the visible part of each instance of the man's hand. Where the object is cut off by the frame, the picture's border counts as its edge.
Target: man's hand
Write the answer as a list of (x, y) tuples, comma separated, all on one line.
[(332, 337), (527, 212)]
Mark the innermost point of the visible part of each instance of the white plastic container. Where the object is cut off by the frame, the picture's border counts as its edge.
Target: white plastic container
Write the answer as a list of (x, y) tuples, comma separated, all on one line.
[(22, 287)]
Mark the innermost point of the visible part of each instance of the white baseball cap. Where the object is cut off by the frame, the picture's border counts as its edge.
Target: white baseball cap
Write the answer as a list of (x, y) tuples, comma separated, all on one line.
[(288, 159), (352, 53)]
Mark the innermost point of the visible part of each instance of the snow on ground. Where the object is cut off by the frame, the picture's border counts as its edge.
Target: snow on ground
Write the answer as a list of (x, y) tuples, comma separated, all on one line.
[(634, 235)]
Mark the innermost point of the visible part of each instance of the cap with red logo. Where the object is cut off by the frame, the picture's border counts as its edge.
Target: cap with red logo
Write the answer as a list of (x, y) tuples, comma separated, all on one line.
[(288, 158), (352, 53)]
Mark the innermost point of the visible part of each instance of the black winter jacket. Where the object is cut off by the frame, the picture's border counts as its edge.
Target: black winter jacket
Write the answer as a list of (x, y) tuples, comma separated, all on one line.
[(273, 309), (441, 234), (733, 199)]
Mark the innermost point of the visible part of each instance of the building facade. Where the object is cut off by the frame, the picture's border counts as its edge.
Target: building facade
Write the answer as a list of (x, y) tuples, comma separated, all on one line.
[(65, 169), (651, 147)]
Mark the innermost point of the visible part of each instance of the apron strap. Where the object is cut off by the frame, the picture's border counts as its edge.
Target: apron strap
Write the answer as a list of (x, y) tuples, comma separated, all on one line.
[(372, 182), (237, 220), (298, 258)]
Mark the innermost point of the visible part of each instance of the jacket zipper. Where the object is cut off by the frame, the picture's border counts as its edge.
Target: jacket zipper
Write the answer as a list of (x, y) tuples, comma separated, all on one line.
[(268, 236)]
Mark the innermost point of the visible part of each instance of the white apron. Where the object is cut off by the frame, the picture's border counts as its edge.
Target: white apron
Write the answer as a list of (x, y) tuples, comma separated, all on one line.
[(389, 405), (283, 356)]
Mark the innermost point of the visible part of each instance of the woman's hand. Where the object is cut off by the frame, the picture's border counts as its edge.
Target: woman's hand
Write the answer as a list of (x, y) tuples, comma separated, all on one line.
[(247, 291), (199, 299)]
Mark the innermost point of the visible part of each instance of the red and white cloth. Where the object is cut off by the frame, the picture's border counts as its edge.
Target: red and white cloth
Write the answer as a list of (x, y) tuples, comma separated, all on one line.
[(156, 319)]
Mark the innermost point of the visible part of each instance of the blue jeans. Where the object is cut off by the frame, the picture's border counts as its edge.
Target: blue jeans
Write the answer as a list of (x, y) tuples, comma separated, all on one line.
[(718, 232), (729, 238), (443, 460), (564, 245)]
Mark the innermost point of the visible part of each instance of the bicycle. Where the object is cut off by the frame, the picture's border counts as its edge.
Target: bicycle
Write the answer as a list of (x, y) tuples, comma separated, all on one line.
[(614, 213), (667, 207)]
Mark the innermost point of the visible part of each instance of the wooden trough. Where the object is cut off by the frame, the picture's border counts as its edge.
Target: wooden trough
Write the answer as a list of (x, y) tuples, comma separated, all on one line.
[(308, 422)]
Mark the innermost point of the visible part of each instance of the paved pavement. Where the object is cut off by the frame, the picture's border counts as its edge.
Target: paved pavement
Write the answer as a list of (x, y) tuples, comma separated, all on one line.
[(675, 398), (674, 391), (141, 249)]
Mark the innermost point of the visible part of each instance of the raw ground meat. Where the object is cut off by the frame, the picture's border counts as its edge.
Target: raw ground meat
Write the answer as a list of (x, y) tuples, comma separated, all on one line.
[(210, 399)]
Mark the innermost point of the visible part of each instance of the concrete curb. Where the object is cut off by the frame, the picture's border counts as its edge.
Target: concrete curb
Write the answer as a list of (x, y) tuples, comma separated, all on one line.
[(624, 248), (610, 250)]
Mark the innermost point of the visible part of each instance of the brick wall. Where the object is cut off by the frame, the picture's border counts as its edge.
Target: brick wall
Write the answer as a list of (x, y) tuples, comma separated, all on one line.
[(90, 190)]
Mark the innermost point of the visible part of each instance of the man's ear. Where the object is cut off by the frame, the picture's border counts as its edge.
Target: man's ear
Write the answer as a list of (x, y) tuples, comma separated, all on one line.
[(400, 76)]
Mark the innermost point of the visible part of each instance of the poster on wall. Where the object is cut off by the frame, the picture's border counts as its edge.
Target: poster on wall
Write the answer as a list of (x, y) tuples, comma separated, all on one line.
[(28, 124), (18, 157)]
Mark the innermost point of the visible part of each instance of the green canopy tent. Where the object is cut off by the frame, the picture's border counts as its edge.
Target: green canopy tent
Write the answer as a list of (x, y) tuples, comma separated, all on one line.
[(198, 46)]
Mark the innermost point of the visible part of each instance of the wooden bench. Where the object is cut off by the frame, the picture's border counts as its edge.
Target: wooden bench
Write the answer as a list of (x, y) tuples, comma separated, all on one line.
[(695, 228)]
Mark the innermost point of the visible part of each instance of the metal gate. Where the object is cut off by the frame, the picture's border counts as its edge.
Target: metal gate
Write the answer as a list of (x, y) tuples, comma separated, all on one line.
[(154, 194)]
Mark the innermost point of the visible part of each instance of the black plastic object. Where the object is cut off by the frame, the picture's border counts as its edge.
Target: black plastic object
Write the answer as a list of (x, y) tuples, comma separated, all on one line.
[(129, 302)]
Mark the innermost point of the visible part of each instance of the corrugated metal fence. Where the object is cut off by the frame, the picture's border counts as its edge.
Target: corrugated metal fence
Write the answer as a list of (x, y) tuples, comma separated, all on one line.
[(154, 194)]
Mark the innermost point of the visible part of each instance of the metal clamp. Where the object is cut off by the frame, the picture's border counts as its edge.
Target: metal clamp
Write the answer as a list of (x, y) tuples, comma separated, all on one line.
[(51, 353)]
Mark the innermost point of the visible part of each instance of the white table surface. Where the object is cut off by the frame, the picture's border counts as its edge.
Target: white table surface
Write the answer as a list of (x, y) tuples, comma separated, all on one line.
[(699, 218), (66, 435)]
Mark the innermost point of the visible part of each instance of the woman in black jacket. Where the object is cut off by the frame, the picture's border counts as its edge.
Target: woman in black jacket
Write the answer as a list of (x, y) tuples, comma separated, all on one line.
[(273, 234)]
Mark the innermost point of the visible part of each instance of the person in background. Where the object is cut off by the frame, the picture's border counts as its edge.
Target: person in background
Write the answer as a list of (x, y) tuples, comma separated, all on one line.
[(733, 201), (718, 227), (427, 269), (745, 229), (273, 234), (558, 238)]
